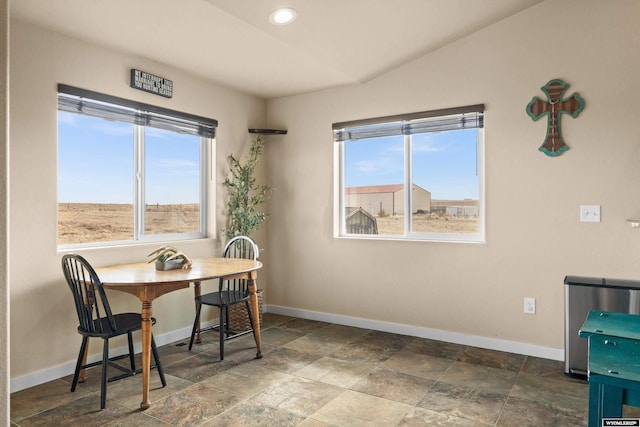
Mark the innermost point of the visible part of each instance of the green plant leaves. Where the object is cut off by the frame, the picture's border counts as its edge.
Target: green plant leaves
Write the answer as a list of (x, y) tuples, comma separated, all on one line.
[(244, 196)]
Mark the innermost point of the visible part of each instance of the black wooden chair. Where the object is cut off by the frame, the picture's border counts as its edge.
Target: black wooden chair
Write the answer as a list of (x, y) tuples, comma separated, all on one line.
[(230, 292), (97, 321)]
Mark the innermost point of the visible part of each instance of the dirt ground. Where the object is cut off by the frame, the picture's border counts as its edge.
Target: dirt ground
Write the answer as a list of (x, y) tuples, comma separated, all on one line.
[(426, 223), (88, 222)]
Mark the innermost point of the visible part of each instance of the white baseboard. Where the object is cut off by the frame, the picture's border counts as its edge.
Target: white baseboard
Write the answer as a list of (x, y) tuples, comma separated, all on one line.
[(60, 371), (416, 331), (56, 372)]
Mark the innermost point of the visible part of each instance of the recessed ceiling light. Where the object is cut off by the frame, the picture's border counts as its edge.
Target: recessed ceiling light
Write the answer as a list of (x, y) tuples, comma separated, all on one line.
[(283, 16)]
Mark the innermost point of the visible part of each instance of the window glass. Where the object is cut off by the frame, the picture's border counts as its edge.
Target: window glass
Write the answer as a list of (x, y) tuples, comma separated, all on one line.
[(126, 178), (415, 177), (172, 182), (373, 192), (445, 183), (95, 179)]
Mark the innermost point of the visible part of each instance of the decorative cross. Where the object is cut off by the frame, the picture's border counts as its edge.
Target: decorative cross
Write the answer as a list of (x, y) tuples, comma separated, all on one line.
[(554, 106)]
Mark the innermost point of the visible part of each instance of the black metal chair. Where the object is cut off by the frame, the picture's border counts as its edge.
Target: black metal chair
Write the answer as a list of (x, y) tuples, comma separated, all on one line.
[(230, 292), (97, 321)]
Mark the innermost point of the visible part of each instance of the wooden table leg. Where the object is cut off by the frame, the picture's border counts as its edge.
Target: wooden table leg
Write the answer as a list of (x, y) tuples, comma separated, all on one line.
[(197, 291), (256, 314), (146, 352)]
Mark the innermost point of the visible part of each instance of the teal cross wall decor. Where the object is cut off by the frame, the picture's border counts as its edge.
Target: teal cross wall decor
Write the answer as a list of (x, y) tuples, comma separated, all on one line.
[(553, 107)]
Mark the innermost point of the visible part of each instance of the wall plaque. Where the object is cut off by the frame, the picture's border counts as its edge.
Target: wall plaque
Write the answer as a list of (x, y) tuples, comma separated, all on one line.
[(151, 83), (554, 107)]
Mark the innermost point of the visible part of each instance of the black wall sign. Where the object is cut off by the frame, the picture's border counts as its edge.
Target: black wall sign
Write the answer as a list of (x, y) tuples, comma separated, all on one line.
[(151, 83)]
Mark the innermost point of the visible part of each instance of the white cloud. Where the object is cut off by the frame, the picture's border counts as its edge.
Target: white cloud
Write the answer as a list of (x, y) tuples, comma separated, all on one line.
[(426, 143), (379, 166)]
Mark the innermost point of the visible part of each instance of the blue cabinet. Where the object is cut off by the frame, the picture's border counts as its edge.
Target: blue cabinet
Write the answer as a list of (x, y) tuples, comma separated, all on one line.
[(614, 363)]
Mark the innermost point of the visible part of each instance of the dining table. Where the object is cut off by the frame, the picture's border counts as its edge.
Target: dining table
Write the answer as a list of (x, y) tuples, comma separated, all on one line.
[(145, 282)]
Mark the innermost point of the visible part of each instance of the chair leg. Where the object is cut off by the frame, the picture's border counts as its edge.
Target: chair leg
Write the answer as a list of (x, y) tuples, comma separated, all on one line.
[(76, 373), (105, 367), (227, 326), (222, 330), (158, 364), (195, 325), (132, 361)]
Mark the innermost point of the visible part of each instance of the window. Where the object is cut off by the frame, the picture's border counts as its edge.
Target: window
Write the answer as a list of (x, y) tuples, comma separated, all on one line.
[(427, 164), (129, 171)]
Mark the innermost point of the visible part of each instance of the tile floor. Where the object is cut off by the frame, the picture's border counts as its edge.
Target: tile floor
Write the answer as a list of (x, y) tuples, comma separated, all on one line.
[(317, 374)]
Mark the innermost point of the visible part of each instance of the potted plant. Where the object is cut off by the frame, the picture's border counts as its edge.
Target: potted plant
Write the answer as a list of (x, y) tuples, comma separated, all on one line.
[(244, 196), (244, 199)]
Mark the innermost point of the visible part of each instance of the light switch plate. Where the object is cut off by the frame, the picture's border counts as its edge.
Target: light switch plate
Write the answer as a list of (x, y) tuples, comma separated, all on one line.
[(529, 305), (589, 213)]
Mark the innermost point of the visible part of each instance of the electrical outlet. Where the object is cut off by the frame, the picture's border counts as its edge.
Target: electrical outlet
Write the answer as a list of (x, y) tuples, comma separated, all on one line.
[(530, 305)]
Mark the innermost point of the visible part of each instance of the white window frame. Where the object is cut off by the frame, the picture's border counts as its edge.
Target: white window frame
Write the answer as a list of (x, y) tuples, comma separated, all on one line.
[(339, 223), (206, 143)]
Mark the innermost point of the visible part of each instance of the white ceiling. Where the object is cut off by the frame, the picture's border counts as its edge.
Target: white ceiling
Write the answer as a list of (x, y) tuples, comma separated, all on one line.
[(332, 42)]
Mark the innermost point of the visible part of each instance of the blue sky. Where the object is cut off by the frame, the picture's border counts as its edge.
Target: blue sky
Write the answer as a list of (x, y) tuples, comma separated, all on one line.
[(444, 163), (96, 162)]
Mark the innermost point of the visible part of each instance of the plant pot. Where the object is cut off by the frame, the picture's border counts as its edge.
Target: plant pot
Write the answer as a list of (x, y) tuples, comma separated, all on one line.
[(169, 265)]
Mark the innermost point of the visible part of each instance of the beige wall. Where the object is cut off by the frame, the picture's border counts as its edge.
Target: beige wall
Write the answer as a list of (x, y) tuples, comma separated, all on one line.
[(472, 290), (4, 224), (476, 290), (43, 322)]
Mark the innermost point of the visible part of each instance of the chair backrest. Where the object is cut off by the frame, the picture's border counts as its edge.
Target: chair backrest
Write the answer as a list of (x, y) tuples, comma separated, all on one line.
[(88, 294), (238, 247), (241, 247)]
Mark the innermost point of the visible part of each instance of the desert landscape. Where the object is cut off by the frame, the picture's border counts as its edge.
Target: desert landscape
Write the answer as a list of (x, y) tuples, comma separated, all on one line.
[(428, 223), (108, 222)]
